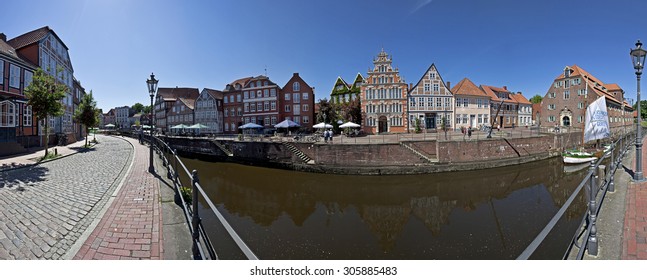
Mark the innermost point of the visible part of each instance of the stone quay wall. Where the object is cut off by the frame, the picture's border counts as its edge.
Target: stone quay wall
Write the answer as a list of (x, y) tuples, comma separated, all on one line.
[(383, 158)]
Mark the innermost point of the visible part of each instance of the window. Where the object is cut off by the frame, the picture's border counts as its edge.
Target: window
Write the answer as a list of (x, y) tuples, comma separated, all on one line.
[(266, 106), (273, 105), (287, 96), (432, 75), (306, 119), (231, 99), (272, 92), (479, 103), (266, 120), (430, 102), (466, 102), (273, 120), (224, 100), (305, 96), (266, 93), (238, 98), (14, 76), (288, 108), (427, 88), (1, 72), (436, 88), (551, 106), (459, 101), (297, 119), (296, 97), (413, 102), (296, 86), (567, 83), (7, 114), (252, 94), (26, 116), (580, 105), (439, 102), (448, 103), (305, 108), (246, 94), (227, 113), (567, 94), (240, 113), (297, 109), (226, 126), (259, 106)]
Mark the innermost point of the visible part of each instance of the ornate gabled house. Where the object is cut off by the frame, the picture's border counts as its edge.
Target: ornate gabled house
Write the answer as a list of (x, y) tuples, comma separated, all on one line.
[(384, 98), (209, 111), (430, 101), (164, 101), (572, 91), (472, 105), (233, 105), (503, 106)]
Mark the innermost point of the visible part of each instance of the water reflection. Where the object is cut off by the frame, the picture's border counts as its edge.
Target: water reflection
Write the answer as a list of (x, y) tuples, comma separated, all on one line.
[(488, 214)]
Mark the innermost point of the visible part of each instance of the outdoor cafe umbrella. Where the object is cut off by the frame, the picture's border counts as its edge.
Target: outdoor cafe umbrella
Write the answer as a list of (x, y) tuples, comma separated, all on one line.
[(286, 124), (179, 126), (110, 125), (250, 126), (349, 124), (322, 125), (198, 126)]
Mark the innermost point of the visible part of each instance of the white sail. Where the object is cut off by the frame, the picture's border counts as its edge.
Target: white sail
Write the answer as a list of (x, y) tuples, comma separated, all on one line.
[(596, 124)]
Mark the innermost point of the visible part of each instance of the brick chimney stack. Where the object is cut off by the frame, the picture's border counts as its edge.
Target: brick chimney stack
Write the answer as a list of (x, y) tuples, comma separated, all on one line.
[(505, 87), (449, 85), (3, 37)]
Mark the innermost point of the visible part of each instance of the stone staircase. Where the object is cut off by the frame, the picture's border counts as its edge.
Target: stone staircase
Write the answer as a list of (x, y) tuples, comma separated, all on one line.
[(305, 158), (223, 148), (426, 158)]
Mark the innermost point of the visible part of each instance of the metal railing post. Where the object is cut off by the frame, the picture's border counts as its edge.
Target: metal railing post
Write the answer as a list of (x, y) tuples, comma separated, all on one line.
[(178, 199), (612, 170), (195, 216), (592, 245)]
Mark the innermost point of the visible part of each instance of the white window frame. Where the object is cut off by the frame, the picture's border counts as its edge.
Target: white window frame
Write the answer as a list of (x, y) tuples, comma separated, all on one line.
[(14, 76), (27, 115), (8, 117), (1, 72), (296, 86)]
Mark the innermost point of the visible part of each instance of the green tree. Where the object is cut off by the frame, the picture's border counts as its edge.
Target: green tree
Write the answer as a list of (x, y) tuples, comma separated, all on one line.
[(147, 109), (45, 94), (417, 126), (86, 113), (138, 107), (536, 99), (643, 108), (443, 126)]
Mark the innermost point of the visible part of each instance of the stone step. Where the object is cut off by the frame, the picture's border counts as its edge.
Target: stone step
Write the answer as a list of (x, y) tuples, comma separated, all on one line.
[(428, 159), (298, 153)]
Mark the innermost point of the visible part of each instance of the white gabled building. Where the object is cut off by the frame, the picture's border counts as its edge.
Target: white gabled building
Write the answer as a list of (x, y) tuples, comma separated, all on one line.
[(430, 101), (209, 110)]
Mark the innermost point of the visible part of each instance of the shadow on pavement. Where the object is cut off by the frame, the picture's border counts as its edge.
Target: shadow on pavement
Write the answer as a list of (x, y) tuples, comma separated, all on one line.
[(82, 149), (24, 176)]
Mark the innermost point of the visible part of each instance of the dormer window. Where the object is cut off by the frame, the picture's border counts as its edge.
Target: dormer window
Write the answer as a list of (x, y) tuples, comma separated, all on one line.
[(567, 72), (296, 86)]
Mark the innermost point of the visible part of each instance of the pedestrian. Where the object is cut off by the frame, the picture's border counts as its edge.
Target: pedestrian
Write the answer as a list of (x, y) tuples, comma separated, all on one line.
[(330, 135), (325, 134), (141, 136), (469, 132)]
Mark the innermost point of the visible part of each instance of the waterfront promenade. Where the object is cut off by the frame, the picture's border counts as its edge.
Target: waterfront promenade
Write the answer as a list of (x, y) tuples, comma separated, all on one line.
[(634, 237), (98, 203)]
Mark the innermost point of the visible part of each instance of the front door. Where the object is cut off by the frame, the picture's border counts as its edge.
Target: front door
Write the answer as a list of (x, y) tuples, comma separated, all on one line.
[(382, 125), (472, 120), (430, 121), (501, 121)]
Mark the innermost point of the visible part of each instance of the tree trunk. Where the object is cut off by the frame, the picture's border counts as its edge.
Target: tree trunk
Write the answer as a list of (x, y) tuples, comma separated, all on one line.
[(46, 135), (87, 131)]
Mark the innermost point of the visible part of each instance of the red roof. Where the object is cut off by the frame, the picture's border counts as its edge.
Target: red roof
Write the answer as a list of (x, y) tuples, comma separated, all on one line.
[(170, 94), (520, 98), (600, 88), (32, 37), (466, 87), (214, 93)]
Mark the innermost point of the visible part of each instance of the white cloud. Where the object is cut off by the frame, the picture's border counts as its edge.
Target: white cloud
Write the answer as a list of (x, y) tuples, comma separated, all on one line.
[(419, 5)]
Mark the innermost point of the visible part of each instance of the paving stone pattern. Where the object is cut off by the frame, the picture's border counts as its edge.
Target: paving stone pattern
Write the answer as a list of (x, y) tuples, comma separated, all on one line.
[(635, 228), (45, 208)]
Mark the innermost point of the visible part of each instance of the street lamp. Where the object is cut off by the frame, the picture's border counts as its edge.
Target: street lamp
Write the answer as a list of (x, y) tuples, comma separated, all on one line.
[(638, 59), (152, 88)]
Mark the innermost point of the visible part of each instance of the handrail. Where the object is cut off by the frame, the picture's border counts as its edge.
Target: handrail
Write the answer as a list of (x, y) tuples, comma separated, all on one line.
[(593, 206), (201, 242)]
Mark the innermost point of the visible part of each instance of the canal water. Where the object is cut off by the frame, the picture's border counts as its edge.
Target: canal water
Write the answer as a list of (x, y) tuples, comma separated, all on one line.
[(486, 214)]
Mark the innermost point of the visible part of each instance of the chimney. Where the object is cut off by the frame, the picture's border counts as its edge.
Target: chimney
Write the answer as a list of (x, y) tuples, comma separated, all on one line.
[(449, 85), (3, 37), (295, 74), (505, 87)]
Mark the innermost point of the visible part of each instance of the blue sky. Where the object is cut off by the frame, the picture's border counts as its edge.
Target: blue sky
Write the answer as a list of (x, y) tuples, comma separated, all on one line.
[(115, 45)]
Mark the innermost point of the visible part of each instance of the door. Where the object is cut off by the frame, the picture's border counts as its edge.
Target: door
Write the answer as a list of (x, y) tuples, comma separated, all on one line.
[(430, 121), (501, 121), (472, 120), (382, 125)]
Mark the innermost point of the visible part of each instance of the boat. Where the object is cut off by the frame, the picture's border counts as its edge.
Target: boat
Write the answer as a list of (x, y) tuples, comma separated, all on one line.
[(596, 127), (572, 168)]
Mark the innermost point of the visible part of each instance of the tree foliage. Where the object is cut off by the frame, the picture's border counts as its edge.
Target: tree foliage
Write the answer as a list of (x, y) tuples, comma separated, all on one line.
[(147, 109), (536, 99), (138, 107), (643, 108), (45, 94), (86, 113)]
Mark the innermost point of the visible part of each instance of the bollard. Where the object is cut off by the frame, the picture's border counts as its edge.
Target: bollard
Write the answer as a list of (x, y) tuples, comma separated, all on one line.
[(55, 151), (601, 175), (592, 245), (196, 218)]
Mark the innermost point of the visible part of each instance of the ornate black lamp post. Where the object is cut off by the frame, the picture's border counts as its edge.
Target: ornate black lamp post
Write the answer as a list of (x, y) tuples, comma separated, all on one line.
[(638, 59), (152, 88)]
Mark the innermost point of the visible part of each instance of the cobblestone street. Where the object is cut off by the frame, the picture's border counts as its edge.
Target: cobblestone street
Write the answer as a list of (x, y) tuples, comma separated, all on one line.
[(47, 207)]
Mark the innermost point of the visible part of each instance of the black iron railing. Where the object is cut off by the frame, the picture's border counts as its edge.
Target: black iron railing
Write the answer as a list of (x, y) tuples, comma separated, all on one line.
[(596, 183), (202, 246)]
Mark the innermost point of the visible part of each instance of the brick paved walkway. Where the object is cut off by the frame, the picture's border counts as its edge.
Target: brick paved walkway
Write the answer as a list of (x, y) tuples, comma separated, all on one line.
[(635, 226), (131, 227)]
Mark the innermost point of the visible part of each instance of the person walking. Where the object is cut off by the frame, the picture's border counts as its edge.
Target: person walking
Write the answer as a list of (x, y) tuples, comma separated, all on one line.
[(141, 136), (469, 132)]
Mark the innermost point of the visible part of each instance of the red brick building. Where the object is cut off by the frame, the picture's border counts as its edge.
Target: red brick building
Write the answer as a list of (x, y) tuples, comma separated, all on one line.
[(570, 94), (233, 105), (17, 124), (503, 102), (298, 101)]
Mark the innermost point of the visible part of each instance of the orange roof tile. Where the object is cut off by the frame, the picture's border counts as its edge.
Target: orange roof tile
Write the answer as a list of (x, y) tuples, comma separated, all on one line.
[(520, 98), (467, 87)]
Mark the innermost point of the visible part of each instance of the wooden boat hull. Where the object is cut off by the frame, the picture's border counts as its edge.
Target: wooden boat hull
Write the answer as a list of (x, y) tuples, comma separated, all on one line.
[(578, 160)]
